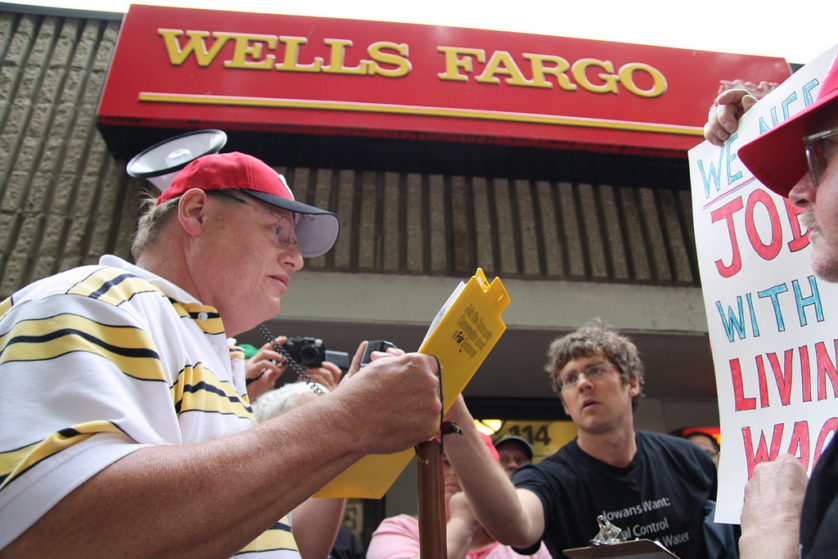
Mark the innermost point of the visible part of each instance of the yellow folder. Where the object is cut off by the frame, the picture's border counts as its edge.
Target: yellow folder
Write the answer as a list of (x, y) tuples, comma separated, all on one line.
[(462, 339)]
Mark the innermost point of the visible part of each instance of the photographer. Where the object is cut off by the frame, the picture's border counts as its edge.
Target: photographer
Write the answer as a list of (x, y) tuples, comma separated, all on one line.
[(266, 366)]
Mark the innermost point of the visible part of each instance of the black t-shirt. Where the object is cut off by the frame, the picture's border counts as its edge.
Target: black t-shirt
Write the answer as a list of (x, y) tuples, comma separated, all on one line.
[(660, 495), (819, 521)]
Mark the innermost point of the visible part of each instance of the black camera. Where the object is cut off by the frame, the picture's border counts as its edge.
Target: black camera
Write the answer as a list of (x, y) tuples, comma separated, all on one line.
[(311, 352), (375, 345), (308, 352)]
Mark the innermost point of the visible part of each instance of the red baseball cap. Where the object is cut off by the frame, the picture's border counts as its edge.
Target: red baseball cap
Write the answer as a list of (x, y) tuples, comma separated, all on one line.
[(317, 230), (777, 157)]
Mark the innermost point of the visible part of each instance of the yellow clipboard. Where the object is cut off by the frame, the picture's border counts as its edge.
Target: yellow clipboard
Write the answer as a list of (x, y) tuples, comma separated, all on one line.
[(462, 338)]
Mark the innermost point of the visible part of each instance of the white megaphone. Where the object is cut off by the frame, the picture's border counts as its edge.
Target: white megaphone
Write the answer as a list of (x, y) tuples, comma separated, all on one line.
[(160, 163)]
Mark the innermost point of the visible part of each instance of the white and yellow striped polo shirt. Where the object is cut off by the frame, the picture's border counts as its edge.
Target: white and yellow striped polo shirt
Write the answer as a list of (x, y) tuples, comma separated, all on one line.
[(97, 362)]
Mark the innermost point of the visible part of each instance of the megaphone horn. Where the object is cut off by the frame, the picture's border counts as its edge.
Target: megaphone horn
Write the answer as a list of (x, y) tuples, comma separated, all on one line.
[(160, 163)]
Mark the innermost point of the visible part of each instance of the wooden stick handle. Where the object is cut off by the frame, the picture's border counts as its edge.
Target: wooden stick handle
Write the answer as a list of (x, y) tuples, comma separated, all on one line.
[(432, 539)]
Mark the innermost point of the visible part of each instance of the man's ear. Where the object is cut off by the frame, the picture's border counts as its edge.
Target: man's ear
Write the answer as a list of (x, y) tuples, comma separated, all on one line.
[(192, 211), (634, 386)]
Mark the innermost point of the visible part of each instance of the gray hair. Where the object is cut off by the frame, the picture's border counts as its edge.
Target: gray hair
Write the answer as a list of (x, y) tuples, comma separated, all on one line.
[(280, 400), (152, 218), (596, 338)]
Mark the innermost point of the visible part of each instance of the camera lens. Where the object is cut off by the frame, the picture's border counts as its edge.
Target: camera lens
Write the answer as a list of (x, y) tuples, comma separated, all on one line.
[(309, 355)]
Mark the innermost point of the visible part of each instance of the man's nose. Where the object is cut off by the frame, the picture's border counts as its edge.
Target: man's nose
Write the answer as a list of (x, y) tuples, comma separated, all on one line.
[(293, 258), (803, 193), (580, 383)]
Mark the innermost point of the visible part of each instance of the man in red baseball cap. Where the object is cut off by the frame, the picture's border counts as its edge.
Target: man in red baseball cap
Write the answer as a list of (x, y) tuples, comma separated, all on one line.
[(238, 264), (797, 159), (316, 230), (126, 427)]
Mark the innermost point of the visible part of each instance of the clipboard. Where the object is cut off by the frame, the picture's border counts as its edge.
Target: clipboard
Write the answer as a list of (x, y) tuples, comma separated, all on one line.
[(635, 549), (461, 336)]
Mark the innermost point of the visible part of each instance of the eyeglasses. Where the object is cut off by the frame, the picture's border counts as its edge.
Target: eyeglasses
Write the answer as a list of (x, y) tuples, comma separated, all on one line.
[(284, 229), (819, 149), (595, 371)]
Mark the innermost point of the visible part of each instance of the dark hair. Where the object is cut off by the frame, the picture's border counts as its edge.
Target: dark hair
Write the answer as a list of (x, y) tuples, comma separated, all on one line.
[(687, 433)]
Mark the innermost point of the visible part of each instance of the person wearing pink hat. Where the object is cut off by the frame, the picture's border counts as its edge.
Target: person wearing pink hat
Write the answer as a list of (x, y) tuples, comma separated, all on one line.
[(398, 537), (126, 427), (782, 517)]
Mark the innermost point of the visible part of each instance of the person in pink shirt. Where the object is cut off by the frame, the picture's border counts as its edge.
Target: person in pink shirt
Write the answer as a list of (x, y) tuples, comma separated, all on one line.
[(397, 537)]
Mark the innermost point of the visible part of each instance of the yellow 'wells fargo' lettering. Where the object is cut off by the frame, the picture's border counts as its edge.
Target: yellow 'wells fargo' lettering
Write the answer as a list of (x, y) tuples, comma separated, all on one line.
[(389, 59), (195, 44), (460, 63), (291, 60), (254, 51)]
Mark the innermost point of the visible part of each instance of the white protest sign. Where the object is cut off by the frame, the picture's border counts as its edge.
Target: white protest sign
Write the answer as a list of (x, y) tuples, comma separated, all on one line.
[(773, 325)]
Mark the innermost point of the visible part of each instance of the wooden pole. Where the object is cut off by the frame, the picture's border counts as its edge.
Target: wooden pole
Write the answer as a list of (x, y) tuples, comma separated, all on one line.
[(432, 539)]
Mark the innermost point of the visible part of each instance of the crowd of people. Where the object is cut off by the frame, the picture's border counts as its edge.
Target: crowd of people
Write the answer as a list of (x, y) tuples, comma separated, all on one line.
[(128, 424)]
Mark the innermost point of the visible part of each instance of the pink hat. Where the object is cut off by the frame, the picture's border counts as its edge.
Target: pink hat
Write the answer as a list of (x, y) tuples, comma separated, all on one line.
[(488, 442), (317, 230), (777, 158)]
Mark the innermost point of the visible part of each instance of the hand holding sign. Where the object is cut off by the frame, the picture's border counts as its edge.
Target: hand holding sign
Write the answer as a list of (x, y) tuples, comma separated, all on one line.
[(773, 501), (723, 117)]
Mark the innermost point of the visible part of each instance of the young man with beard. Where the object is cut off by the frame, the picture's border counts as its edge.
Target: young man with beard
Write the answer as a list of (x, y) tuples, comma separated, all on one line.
[(782, 517)]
